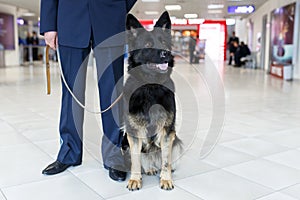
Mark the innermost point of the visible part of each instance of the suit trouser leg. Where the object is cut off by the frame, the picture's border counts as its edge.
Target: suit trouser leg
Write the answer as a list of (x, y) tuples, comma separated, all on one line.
[(237, 59), (110, 64), (230, 58), (191, 56), (74, 63)]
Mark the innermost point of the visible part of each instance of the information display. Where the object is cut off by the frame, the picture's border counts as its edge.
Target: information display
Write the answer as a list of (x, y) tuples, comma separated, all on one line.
[(241, 9), (7, 34), (282, 35), (282, 41)]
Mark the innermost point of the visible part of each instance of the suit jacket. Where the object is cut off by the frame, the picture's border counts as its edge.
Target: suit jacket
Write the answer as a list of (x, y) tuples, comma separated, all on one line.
[(77, 20), (35, 41)]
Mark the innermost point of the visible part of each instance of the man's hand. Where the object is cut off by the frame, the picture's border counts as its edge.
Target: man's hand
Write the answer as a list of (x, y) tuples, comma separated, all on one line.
[(51, 39)]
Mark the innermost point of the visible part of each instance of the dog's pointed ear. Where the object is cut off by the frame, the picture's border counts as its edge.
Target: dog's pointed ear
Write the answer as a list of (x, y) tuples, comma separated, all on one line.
[(164, 21), (132, 24)]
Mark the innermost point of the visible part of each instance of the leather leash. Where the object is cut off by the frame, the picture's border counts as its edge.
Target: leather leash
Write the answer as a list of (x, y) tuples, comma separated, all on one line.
[(68, 88), (48, 71)]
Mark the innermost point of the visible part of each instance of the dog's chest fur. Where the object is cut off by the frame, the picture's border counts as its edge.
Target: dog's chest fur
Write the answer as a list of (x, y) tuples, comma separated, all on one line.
[(151, 108)]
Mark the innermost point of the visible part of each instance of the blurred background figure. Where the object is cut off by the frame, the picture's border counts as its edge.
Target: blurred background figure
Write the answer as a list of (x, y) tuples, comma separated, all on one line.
[(28, 42), (232, 48), (192, 46), (242, 51), (35, 41)]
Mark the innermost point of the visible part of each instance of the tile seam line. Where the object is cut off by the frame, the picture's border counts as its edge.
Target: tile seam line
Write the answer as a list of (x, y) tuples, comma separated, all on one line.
[(279, 192), (226, 170), (189, 192), (217, 169), (39, 181), (3, 194)]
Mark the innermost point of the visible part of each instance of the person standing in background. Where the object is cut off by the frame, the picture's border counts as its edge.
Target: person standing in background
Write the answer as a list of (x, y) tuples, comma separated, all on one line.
[(75, 27), (232, 48), (35, 41), (28, 39), (192, 46), (28, 42)]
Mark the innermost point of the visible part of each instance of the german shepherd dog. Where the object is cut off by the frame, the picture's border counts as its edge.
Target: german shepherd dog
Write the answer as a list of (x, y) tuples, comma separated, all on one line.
[(150, 103)]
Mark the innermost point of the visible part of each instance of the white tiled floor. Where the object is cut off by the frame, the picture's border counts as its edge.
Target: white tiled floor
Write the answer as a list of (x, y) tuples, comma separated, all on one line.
[(266, 173), (293, 191), (256, 157), (277, 196)]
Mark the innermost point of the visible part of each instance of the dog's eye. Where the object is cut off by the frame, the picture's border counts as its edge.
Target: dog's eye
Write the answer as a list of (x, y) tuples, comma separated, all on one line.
[(163, 54), (148, 44)]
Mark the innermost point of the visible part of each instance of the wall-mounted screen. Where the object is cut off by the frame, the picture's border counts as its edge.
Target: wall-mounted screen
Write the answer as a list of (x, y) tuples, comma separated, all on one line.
[(7, 34), (282, 35)]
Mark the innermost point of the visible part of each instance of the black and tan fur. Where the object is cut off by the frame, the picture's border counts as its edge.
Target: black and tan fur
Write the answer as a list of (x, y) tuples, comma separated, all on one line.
[(150, 108)]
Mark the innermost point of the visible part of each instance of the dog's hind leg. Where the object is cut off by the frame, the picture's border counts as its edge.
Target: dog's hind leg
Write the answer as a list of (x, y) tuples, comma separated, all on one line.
[(167, 140), (135, 181)]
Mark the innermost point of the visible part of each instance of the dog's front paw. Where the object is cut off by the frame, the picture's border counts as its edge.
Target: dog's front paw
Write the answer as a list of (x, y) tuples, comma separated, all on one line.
[(134, 184), (166, 184)]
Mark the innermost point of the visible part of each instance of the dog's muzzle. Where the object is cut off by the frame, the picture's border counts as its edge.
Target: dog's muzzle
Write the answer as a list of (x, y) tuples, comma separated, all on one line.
[(162, 68)]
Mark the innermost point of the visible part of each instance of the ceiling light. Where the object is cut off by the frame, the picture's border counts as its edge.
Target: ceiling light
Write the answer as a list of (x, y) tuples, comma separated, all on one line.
[(28, 14), (215, 11), (20, 21), (172, 18), (215, 6), (173, 7), (151, 13), (230, 22), (196, 21), (150, 0), (180, 21), (188, 16)]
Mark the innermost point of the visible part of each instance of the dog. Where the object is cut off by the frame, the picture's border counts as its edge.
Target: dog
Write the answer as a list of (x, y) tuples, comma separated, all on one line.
[(149, 102)]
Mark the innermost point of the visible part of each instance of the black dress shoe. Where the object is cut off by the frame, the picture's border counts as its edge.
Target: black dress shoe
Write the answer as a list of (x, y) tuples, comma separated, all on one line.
[(55, 168), (115, 174)]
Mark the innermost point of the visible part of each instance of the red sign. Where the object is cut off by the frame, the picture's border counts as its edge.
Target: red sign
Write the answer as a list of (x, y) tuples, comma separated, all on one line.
[(215, 34), (283, 72)]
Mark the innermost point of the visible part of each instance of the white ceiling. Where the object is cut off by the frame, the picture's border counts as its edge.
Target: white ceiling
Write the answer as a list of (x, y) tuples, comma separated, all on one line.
[(31, 5), (188, 6)]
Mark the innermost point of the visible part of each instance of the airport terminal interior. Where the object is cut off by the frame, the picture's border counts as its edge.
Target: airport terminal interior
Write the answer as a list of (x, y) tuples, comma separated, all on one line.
[(239, 121)]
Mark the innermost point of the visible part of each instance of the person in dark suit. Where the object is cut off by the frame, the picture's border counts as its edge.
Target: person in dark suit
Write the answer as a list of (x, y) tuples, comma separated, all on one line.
[(242, 51), (75, 27), (192, 46), (232, 48), (28, 42), (35, 50)]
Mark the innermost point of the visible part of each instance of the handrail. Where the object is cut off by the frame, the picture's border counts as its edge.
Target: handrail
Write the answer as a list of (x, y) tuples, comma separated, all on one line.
[(29, 49)]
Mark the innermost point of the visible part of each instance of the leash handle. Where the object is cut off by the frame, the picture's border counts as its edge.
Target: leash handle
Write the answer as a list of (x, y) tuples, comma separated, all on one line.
[(48, 71)]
